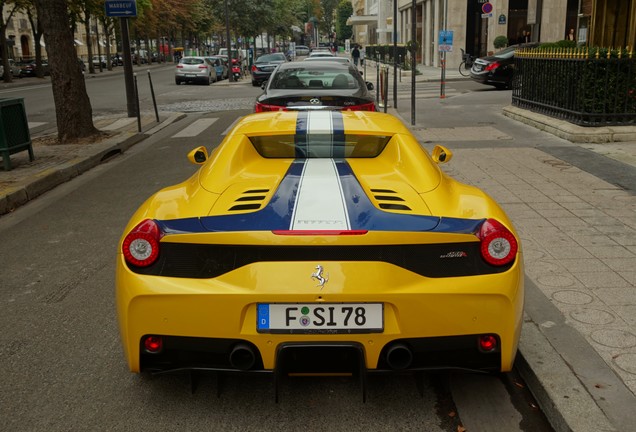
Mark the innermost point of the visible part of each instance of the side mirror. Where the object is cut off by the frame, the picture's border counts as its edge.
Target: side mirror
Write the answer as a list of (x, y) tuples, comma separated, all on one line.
[(441, 154), (198, 156), (369, 85)]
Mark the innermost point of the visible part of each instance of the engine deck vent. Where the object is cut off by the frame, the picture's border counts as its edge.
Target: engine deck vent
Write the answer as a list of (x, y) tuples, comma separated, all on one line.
[(251, 199), (389, 200)]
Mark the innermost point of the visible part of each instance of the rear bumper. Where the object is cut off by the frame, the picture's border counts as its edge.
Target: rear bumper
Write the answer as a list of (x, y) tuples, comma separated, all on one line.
[(434, 322)]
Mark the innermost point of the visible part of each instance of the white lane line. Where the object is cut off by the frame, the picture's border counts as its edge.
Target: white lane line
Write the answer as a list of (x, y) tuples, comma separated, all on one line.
[(35, 124), (195, 128)]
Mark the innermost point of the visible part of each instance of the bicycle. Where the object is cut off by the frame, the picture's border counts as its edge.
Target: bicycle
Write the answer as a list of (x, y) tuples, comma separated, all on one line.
[(466, 64)]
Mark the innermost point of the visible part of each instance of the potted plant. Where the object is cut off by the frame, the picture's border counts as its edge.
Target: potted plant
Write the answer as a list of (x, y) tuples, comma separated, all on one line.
[(500, 42)]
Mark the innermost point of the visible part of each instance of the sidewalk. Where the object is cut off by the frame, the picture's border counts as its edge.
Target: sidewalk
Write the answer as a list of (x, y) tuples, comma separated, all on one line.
[(578, 346)]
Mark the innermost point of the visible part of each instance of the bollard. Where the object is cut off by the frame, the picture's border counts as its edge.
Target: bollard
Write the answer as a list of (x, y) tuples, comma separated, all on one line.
[(137, 104), (152, 92)]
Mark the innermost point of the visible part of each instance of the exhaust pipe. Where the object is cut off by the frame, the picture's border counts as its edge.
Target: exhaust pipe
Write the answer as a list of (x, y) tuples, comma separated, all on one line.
[(242, 357), (399, 356)]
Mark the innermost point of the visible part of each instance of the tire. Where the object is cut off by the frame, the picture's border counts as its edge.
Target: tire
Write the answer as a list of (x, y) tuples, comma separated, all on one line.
[(255, 83), (463, 69), (177, 81)]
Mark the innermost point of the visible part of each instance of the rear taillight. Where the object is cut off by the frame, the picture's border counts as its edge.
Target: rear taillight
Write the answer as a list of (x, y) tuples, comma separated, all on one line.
[(153, 344), (203, 66), (254, 68), (498, 245), (260, 107), (179, 66), (493, 66), (362, 107), (488, 343), (141, 245)]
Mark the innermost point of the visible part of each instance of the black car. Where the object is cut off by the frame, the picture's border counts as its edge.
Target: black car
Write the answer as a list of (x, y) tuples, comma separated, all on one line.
[(264, 66), (29, 69), (497, 70), (316, 85)]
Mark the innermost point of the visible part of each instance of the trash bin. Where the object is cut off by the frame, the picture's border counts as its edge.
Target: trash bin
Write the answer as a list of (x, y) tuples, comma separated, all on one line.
[(14, 130)]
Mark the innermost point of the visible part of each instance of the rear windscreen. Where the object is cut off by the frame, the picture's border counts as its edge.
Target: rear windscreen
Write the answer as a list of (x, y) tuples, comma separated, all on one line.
[(319, 146)]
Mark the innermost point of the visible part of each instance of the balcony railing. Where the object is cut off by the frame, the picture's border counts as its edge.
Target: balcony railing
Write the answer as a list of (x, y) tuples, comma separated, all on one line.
[(587, 87)]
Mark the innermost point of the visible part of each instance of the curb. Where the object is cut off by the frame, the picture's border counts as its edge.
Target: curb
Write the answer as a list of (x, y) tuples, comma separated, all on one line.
[(93, 156), (569, 131)]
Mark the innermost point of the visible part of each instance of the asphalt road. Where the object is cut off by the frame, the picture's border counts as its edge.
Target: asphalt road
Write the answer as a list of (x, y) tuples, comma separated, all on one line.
[(63, 368)]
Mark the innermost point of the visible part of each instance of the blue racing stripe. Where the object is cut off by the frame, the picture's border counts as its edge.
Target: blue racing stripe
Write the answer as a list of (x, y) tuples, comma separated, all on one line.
[(338, 141), (302, 121), (363, 215)]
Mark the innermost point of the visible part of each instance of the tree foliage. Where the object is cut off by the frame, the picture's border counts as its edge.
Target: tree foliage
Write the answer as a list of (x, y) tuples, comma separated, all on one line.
[(344, 11)]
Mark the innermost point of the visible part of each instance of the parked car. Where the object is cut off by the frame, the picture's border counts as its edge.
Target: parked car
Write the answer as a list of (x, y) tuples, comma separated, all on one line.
[(316, 85), (220, 66), (302, 50), (195, 69), (264, 66), (97, 60), (28, 69), (343, 60), (16, 70), (319, 241), (498, 69), (318, 52)]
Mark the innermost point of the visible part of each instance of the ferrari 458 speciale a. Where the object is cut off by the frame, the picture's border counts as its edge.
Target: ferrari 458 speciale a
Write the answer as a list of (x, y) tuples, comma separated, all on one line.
[(319, 242)]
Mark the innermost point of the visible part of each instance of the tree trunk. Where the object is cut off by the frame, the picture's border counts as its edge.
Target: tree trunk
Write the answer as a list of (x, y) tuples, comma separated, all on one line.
[(73, 110)]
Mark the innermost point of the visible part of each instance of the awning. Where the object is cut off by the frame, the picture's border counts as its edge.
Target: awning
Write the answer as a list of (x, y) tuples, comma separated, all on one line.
[(362, 19), (78, 42)]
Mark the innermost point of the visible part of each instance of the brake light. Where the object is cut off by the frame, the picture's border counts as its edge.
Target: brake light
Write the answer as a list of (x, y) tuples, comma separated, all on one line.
[(203, 66), (363, 107), (141, 245), (493, 66), (179, 66), (319, 232), (254, 68), (498, 245), (261, 107)]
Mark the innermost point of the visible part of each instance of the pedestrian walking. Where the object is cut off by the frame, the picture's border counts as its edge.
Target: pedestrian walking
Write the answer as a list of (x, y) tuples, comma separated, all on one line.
[(355, 55), (362, 55)]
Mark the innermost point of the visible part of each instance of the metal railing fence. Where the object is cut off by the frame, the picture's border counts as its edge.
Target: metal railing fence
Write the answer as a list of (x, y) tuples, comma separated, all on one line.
[(584, 86)]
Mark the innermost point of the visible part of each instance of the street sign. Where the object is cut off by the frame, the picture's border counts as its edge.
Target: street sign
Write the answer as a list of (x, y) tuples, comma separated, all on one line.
[(121, 8), (486, 8), (445, 41)]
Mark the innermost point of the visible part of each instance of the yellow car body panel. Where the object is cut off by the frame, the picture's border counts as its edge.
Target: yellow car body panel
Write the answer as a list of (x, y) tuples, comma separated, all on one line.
[(397, 199)]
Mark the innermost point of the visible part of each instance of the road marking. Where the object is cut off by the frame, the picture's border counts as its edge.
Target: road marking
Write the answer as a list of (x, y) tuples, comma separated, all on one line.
[(33, 125), (120, 123), (195, 128)]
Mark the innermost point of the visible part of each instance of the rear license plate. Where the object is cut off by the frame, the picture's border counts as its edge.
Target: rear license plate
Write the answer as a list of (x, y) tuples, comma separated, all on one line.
[(320, 318), (190, 75)]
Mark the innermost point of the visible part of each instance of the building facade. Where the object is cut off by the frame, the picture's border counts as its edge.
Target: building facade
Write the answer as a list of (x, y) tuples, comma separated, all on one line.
[(21, 43), (476, 23)]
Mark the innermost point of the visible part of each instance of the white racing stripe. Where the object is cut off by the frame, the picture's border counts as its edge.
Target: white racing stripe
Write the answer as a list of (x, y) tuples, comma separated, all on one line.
[(320, 179), (195, 128)]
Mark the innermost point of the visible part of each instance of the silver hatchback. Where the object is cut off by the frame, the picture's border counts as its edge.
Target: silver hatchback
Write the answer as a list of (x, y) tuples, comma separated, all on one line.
[(195, 69)]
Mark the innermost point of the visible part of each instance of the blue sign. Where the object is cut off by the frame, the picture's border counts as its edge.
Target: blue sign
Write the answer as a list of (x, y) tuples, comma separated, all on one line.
[(445, 42), (445, 37), (120, 8)]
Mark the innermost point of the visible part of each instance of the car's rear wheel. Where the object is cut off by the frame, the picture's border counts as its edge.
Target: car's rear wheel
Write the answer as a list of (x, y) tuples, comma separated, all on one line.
[(177, 81), (255, 83)]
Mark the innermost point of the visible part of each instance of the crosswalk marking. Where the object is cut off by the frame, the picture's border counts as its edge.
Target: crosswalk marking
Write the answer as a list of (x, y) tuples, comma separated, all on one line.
[(195, 128), (120, 123)]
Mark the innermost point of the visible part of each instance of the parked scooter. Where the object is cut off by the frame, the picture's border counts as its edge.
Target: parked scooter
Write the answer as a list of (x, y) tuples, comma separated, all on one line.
[(237, 73)]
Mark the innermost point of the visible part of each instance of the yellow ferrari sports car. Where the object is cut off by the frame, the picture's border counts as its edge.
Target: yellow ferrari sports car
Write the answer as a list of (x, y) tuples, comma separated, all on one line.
[(319, 242)]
